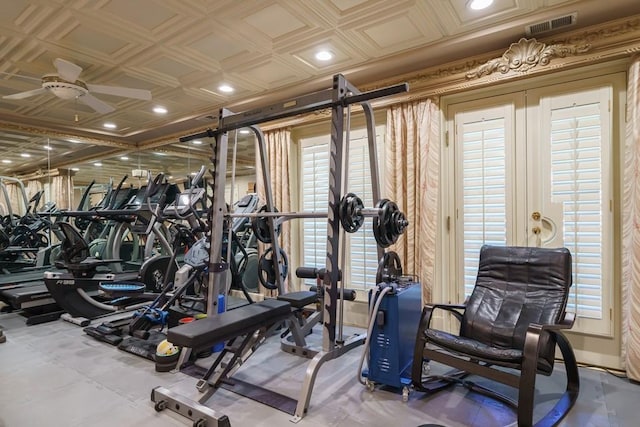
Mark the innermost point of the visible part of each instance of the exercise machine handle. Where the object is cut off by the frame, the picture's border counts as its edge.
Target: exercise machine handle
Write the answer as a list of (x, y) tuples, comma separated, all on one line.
[(310, 272)]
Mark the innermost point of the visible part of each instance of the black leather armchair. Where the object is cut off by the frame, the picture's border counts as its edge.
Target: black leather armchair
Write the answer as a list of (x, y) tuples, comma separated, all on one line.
[(513, 319)]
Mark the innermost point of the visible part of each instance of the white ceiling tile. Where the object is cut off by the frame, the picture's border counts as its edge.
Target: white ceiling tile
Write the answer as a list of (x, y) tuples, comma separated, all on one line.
[(394, 32), (274, 21), (217, 47), (347, 4), (170, 67), (272, 73), (85, 38), (11, 10), (146, 13)]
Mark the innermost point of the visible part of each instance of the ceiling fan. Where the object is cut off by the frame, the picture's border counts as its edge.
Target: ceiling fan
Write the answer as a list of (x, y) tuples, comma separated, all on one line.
[(65, 85)]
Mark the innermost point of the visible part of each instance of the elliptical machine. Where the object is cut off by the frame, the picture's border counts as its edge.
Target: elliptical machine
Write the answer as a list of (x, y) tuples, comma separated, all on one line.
[(141, 333), (83, 290)]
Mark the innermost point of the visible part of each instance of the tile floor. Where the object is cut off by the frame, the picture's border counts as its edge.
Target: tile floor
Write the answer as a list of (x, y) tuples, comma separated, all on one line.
[(55, 375)]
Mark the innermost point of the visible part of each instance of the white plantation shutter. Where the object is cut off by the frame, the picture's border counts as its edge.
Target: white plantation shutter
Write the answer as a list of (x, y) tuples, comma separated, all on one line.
[(483, 186), (315, 195), (579, 145), (362, 257)]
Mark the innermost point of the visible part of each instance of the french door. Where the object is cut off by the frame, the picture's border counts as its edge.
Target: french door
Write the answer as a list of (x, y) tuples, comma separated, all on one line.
[(534, 168)]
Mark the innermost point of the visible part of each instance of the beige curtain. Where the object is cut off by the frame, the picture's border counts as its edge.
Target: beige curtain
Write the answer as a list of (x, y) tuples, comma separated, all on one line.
[(16, 199), (412, 162), (62, 191), (631, 229), (278, 146)]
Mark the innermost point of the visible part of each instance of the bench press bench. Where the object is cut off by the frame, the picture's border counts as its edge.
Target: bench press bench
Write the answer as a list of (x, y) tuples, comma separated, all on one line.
[(301, 323), (243, 329)]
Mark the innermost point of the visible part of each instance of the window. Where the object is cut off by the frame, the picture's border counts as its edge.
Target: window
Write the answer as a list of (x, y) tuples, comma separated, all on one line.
[(361, 252)]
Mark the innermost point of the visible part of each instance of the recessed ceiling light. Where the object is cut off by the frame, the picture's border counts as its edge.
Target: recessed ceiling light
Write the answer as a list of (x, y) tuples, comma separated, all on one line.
[(75, 169), (324, 55), (480, 4), (25, 155), (159, 110), (6, 161), (110, 125), (197, 141), (48, 147), (125, 158), (97, 164), (245, 131), (225, 88)]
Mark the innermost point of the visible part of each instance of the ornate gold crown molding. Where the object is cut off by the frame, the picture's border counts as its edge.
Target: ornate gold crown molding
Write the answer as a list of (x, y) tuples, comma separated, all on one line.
[(525, 55), (606, 42)]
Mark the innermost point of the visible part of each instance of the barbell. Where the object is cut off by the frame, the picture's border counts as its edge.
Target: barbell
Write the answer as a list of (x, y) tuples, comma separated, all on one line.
[(388, 221)]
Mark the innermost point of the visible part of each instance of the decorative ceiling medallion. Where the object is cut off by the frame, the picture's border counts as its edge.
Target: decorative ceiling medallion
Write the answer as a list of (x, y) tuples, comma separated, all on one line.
[(525, 55)]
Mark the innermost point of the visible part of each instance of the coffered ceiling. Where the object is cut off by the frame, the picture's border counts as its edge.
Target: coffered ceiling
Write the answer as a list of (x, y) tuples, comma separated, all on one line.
[(183, 50)]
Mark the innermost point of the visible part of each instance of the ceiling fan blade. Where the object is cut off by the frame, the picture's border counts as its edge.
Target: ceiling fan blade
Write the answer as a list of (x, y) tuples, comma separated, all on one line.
[(98, 105), (27, 94), (121, 91), (67, 70)]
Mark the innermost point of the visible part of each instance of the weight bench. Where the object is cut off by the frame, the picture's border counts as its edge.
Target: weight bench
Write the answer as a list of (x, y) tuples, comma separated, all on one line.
[(243, 329), (304, 319), (299, 325)]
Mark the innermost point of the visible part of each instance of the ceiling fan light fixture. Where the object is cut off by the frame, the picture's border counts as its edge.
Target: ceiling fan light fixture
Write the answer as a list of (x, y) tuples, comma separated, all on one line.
[(479, 4), (64, 89), (109, 125)]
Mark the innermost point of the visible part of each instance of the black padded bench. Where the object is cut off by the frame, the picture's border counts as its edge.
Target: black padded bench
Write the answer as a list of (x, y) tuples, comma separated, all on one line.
[(228, 325), (299, 299), (243, 329)]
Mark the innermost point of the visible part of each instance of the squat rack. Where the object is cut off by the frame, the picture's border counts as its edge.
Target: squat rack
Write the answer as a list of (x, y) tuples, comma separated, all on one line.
[(340, 96)]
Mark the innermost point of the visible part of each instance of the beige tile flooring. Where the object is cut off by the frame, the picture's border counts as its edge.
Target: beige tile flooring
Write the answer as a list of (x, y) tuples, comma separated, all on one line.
[(54, 375)]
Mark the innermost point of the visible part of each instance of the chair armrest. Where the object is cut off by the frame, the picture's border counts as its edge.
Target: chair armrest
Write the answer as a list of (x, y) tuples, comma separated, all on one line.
[(566, 323), (421, 341), (452, 308)]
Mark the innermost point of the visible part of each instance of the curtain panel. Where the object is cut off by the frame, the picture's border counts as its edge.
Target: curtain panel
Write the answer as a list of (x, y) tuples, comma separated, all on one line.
[(278, 147), (62, 191), (412, 170), (631, 228)]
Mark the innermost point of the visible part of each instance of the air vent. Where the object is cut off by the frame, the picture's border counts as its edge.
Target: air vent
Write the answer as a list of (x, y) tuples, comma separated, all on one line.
[(551, 24)]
